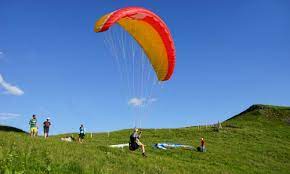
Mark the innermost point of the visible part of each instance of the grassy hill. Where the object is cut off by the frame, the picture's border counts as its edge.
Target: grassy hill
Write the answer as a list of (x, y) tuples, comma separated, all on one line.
[(255, 141), (10, 129)]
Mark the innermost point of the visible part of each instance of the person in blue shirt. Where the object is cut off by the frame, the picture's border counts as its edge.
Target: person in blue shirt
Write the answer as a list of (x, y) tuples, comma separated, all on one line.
[(82, 133)]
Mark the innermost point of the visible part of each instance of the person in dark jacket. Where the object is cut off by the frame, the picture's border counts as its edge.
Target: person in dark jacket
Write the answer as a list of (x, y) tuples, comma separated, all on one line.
[(201, 148), (135, 142), (46, 126)]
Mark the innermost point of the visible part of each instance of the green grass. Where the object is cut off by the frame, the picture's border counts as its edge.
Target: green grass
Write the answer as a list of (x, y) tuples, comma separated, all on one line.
[(256, 141)]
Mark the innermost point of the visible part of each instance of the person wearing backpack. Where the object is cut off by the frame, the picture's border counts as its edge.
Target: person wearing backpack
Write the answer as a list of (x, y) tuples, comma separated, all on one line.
[(135, 142), (46, 126)]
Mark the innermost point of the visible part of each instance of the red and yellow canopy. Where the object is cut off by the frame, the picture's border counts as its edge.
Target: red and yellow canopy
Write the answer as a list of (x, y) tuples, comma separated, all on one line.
[(150, 32)]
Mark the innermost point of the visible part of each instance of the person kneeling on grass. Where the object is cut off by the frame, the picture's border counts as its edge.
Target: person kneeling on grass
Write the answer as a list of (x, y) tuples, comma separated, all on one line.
[(201, 148), (82, 134), (135, 142)]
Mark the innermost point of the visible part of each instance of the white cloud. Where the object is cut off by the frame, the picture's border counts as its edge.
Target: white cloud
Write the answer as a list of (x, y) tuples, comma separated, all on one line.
[(151, 100), (1, 55), (137, 102), (14, 90), (6, 116)]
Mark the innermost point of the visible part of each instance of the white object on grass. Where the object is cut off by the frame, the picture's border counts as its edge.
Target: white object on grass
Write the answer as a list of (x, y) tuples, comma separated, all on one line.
[(119, 145)]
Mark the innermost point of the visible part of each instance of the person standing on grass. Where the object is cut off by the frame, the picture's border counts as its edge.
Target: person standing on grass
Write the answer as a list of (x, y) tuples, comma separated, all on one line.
[(82, 134), (135, 142), (46, 126), (33, 126)]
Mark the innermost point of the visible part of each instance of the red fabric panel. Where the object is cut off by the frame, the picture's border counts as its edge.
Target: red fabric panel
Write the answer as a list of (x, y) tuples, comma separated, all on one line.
[(154, 21)]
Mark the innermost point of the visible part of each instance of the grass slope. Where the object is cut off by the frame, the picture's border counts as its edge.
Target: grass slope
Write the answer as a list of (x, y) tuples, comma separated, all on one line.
[(255, 141)]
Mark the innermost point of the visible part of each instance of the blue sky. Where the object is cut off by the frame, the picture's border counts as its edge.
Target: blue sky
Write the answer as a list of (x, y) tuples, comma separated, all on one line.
[(229, 55)]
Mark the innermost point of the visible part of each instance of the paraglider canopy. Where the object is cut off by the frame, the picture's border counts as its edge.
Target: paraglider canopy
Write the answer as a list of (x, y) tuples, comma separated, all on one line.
[(150, 32)]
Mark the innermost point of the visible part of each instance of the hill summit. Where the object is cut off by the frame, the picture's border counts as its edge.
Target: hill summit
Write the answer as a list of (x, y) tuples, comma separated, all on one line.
[(10, 129), (269, 112)]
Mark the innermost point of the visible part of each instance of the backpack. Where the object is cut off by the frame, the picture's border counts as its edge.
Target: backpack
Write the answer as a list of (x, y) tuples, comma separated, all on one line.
[(46, 124), (132, 138), (132, 144)]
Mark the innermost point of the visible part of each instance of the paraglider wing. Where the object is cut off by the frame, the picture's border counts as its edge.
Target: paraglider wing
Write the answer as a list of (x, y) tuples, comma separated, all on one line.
[(150, 32)]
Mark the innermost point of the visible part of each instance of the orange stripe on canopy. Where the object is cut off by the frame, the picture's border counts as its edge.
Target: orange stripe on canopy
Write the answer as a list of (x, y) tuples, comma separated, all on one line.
[(150, 32)]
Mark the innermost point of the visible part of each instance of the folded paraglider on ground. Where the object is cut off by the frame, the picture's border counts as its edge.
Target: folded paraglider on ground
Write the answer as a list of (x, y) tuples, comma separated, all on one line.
[(165, 146)]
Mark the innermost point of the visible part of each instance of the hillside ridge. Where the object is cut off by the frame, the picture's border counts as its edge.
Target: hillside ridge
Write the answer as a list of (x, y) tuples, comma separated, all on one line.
[(262, 109), (11, 129), (274, 109)]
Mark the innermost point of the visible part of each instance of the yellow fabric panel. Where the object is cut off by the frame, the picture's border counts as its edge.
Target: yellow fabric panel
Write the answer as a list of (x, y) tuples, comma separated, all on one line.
[(150, 41), (101, 22)]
